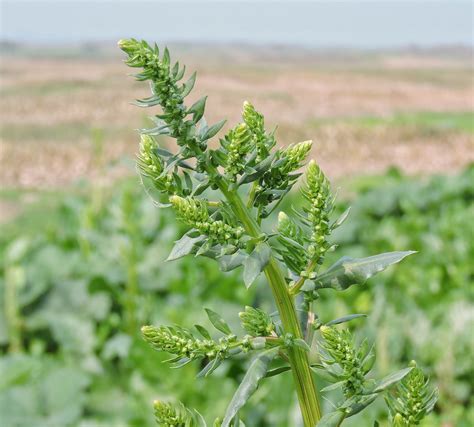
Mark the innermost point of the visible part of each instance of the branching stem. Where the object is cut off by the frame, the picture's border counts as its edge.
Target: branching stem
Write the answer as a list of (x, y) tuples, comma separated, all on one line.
[(298, 358)]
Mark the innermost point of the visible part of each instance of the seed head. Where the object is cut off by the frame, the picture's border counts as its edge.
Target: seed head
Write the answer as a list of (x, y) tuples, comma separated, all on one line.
[(173, 415), (317, 192), (339, 346), (239, 146), (256, 322)]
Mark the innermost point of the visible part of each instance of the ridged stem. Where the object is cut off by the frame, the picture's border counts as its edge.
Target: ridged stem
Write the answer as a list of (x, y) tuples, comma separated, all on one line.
[(298, 358)]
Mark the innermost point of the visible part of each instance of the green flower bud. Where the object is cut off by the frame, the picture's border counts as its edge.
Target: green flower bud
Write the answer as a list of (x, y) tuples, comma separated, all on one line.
[(151, 165), (194, 212), (398, 421), (129, 46), (182, 343), (317, 192), (294, 255), (239, 145), (256, 322), (413, 399), (295, 155), (173, 415), (252, 118), (190, 210), (339, 346), (255, 122)]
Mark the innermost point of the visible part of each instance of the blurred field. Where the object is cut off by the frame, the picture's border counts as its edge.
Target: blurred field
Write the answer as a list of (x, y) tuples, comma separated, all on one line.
[(366, 111)]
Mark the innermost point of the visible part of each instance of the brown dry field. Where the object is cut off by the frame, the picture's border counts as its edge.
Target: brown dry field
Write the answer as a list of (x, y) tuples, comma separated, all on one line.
[(364, 111)]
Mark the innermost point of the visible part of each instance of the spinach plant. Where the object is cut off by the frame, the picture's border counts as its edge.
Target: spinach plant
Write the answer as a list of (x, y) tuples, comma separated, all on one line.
[(225, 195)]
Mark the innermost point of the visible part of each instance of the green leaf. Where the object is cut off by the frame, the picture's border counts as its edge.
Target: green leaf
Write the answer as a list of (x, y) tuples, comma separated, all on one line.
[(341, 219), (356, 404), (255, 263), (390, 380), (188, 86), (230, 262), (218, 322), (257, 370), (212, 131), (332, 419), (355, 271), (334, 386), (197, 109), (203, 331), (184, 246), (344, 319)]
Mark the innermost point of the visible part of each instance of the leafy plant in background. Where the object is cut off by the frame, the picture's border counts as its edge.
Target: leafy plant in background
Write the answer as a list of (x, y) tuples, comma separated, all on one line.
[(224, 195)]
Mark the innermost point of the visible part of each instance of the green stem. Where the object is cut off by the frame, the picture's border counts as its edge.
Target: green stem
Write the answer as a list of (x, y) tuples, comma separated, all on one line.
[(298, 358), (300, 282)]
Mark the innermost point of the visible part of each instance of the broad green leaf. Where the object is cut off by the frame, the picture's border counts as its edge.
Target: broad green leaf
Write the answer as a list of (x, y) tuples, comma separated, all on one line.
[(390, 380), (230, 262), (332, 419), (355, 271), (184, 246), (257, 370), (218, 322), (255, 263), (344, 319)]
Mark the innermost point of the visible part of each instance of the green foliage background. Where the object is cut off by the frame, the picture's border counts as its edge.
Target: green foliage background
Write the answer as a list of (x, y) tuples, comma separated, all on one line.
[(82, 272)]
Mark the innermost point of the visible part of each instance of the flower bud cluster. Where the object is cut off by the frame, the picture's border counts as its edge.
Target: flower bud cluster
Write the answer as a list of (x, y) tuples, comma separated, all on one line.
[(151, 165), (164, 83), (292, 240), (294, 156), (255, 122), (182, 343), (340, 349), (239, 140), (173, 415), (256, 322), (194, 212), (414, 399), (317, 192)]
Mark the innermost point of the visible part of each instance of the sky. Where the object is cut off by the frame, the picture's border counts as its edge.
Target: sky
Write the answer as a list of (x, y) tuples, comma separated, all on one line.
[(350, 23)]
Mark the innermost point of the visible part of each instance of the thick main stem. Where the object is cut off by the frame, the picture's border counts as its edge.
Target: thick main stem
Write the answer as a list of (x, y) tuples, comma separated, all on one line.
[(298, 358)]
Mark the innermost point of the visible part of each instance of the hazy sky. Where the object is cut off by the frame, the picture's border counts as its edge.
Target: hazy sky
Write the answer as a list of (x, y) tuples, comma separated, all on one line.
[(313, 23)]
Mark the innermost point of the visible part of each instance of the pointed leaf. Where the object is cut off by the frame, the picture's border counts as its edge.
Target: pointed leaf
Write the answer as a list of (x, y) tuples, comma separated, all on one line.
[(188, 86), (218, 322), (212, 131), (184, 246), (341, 219), (197, 109), (354, 271), (344, 319), (257, 370), (203, 331), (390, 380), (356, 404)]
